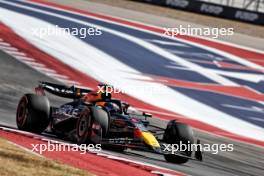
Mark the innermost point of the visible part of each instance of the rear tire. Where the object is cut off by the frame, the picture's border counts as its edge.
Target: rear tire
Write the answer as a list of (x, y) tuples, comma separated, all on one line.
[(33, 113), (84, 127), (175, 133)]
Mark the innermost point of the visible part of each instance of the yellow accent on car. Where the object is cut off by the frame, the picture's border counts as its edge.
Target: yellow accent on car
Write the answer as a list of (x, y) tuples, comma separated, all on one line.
[(150, 139)]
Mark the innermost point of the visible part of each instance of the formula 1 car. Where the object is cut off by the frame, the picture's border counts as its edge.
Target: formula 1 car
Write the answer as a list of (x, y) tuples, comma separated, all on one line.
[(96, 117)]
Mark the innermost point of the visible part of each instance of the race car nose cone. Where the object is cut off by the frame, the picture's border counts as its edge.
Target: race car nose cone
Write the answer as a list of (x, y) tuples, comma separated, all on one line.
[(150, 139)]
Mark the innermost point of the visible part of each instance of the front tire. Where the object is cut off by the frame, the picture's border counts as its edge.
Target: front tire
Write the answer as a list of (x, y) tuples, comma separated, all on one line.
[(33, 113), (177, 133)]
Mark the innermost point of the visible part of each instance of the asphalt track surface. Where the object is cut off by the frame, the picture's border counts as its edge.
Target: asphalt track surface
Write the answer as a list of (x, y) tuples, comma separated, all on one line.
[(155, 66), (17, 78)]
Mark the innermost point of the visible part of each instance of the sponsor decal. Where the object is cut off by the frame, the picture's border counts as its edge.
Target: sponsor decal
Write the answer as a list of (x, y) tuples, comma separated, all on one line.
[(177, 3), (211, 9), (247, 16)]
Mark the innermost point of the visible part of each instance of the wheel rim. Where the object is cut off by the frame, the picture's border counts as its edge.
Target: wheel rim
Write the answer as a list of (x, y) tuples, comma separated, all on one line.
[(22, 112), (83, 126)]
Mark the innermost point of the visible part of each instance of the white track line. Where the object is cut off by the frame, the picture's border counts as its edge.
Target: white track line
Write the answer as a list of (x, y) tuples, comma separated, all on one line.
[(4, 43), (16, 53), (57, 75), (8, 48), (76, 51), (46, 70), (141, 23), (34, 64), (24, 58), (235, 58)]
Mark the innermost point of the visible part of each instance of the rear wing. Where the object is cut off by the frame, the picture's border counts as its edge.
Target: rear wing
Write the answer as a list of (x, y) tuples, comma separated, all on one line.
[(72, 92)]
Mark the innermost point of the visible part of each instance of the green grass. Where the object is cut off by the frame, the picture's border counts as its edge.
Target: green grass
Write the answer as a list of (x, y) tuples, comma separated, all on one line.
[(18, 162)]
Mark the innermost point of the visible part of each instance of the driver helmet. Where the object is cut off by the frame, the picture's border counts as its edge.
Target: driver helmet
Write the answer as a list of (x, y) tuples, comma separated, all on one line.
[(112, 107)]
